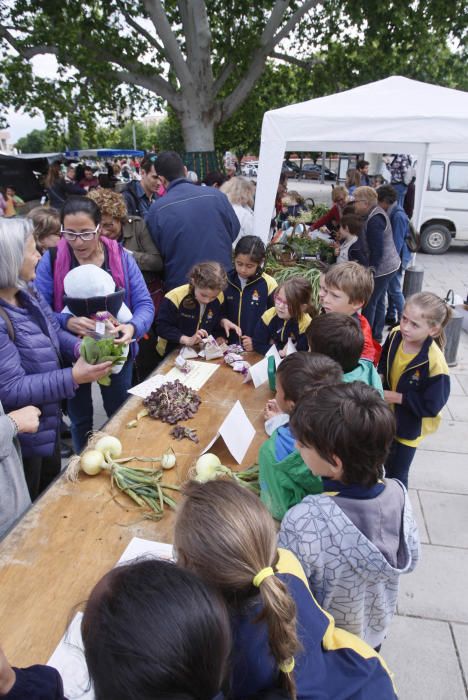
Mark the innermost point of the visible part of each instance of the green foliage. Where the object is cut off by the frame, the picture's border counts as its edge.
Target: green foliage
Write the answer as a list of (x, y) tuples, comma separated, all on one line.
[(114, 66)]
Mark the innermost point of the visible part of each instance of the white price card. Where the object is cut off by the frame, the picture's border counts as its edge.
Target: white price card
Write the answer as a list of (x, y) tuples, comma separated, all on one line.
[(198, 375), (237, 432)]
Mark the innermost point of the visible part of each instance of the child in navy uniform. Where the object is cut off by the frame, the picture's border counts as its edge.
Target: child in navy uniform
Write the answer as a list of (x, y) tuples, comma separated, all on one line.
[(287, 320), (194, 311), (250, 291), (416, 379)]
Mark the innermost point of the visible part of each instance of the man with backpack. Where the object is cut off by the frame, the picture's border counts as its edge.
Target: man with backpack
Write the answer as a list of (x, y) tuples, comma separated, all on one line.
[(140, 195)]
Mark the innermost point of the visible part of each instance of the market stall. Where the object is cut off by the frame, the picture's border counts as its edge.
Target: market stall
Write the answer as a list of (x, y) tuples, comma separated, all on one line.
[(395, 115), (77, 531)]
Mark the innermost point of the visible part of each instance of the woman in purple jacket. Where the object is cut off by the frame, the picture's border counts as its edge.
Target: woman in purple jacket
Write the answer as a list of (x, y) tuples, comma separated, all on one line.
[(83, 244), (33, 349)]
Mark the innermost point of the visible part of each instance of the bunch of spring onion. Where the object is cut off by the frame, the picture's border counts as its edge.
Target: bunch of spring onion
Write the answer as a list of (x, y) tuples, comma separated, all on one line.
[(209, 467), (142, 484)]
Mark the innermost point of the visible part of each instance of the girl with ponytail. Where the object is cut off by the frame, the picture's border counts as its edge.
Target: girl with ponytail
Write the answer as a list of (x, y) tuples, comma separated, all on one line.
[(282, 639), (415, 377)]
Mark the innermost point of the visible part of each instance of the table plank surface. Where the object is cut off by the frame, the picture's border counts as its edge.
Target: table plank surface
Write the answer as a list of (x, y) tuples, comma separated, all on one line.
[(77, 531)]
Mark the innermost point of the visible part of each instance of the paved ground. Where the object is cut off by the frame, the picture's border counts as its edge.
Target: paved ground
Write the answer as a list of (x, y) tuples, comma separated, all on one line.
[(427, 646)]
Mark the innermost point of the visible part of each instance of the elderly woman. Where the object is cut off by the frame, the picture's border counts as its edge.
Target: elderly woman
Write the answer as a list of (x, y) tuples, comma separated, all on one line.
[(333, 216), (132, 233), (82, 243), (34, 350), (240, 192)]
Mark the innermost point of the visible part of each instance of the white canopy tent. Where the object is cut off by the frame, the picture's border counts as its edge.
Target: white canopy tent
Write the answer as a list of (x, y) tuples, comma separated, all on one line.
[(395, 115)]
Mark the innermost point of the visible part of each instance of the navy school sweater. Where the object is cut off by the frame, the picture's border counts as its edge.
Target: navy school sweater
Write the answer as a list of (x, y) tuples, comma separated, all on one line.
[(244, 307), (272, 329), (180, 314)]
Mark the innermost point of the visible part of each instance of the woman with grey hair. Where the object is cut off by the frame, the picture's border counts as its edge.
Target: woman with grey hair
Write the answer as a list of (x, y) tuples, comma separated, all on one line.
[(35, 352)]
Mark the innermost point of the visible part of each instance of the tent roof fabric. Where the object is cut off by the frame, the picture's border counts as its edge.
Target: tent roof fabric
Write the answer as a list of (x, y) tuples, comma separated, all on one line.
[(395, 115)]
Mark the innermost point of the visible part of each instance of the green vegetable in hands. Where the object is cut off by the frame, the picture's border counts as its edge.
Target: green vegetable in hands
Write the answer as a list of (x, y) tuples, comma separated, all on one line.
[(105, 350)]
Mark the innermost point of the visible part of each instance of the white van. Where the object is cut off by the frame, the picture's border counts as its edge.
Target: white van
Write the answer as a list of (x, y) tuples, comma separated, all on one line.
[(445, 210)]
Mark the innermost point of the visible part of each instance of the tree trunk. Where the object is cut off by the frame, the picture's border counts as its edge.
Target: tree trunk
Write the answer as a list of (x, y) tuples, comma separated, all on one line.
[(198, 131)]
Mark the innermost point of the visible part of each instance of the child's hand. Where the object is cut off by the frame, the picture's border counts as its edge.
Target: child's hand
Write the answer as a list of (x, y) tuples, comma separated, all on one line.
[(393, 396), (271, 409), (7, 675), (282, 353), (247, 343), (229, 326), (195, 338)]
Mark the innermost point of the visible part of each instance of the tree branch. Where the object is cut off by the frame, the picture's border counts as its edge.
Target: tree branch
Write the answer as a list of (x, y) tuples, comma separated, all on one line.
[(141, 30), (294, 20), (198, 43), (226, 72), (170, 43), (302, 63), (27, 52)]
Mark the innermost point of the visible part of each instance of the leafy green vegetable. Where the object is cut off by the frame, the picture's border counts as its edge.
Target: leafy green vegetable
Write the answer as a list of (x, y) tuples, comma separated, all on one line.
[(105, 350)]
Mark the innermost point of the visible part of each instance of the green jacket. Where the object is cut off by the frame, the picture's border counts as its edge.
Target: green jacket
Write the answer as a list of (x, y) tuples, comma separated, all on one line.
[(284, 484), (365, 372)]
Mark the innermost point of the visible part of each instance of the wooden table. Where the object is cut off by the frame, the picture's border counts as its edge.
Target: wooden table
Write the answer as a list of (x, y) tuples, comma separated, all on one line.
[(76, 532)]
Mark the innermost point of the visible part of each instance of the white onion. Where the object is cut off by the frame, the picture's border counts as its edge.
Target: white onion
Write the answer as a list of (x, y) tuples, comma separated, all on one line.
[(91, 462), (109, 445), (168, 460), (207, 467)]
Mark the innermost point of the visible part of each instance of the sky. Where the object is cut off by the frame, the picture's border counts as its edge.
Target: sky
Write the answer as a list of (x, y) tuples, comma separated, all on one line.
[(20, 123)]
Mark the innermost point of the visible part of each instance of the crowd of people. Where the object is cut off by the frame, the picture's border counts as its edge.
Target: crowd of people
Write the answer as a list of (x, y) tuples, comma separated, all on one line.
[(246, 611)]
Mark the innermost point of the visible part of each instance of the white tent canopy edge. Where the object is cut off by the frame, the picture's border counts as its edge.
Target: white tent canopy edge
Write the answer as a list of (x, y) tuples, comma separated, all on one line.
[(395, 115)]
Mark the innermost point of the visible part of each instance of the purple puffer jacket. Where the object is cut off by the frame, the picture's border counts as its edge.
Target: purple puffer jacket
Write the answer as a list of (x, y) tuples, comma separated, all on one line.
[(30, 372)]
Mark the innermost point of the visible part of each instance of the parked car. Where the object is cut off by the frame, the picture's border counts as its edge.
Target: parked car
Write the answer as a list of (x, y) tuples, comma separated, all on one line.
[(312, 171), (290, 168), (445, 204), (249, 169)]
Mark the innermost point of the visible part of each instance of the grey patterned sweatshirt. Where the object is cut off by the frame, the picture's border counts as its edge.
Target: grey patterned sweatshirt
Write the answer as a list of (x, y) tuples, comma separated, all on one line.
[(353, 552)]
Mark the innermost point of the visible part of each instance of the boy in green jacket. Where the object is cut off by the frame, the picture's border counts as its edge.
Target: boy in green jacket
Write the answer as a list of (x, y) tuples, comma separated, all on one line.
[(284, 478)]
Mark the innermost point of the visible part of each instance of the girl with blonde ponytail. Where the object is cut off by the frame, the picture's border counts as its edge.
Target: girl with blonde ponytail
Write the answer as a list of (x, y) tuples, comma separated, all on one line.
[(282, 639), (415, 377)]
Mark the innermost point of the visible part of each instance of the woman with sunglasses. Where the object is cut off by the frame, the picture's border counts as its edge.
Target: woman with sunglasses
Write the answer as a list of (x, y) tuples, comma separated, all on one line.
[(83, 244)]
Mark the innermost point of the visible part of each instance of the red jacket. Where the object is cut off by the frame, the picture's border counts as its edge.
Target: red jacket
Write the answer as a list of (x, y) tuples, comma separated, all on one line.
[(332, 214), (372, 349)]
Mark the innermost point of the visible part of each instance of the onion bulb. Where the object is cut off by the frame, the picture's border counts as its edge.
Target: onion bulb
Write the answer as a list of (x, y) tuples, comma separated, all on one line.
[(168, 460), (207, 467), (91, 462), (109, 445)]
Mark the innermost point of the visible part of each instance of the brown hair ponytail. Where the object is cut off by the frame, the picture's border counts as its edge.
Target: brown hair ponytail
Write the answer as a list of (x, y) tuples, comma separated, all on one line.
[(435, 310), (227, 536)]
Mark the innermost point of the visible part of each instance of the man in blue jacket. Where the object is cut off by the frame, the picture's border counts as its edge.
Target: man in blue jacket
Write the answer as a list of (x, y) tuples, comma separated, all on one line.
[(387, 199), (190, 223)]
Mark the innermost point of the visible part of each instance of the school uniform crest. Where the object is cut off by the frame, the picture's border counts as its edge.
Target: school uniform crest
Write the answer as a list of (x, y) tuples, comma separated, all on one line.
[(209, 315), (415, 377), (255, 296)]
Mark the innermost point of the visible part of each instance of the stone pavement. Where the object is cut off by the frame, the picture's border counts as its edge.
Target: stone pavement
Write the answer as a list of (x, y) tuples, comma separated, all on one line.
[(427, 646)]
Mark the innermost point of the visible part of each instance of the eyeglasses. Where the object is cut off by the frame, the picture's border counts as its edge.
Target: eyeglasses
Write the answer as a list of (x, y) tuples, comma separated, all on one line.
[(281, 302), (73, 235), (360, 200)]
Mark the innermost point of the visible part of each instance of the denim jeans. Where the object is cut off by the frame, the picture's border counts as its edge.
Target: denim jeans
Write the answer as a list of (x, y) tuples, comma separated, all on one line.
[(396, 300), (80, 407), (375, 311), (400, 188)]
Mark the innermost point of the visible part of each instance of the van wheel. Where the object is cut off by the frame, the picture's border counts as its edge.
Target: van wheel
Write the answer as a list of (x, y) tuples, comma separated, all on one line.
[(435, 239)]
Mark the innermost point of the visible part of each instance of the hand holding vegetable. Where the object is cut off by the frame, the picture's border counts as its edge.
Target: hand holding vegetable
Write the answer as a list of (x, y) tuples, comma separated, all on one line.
[(80, 325), (83, 372), (127, 331), (99, 352), (27, 419)]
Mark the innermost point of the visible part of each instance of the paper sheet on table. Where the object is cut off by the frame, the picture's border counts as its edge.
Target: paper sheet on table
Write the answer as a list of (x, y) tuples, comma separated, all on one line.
[(68, 657), (199, 374), (290, 347), (237, 432), (258, 372)]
